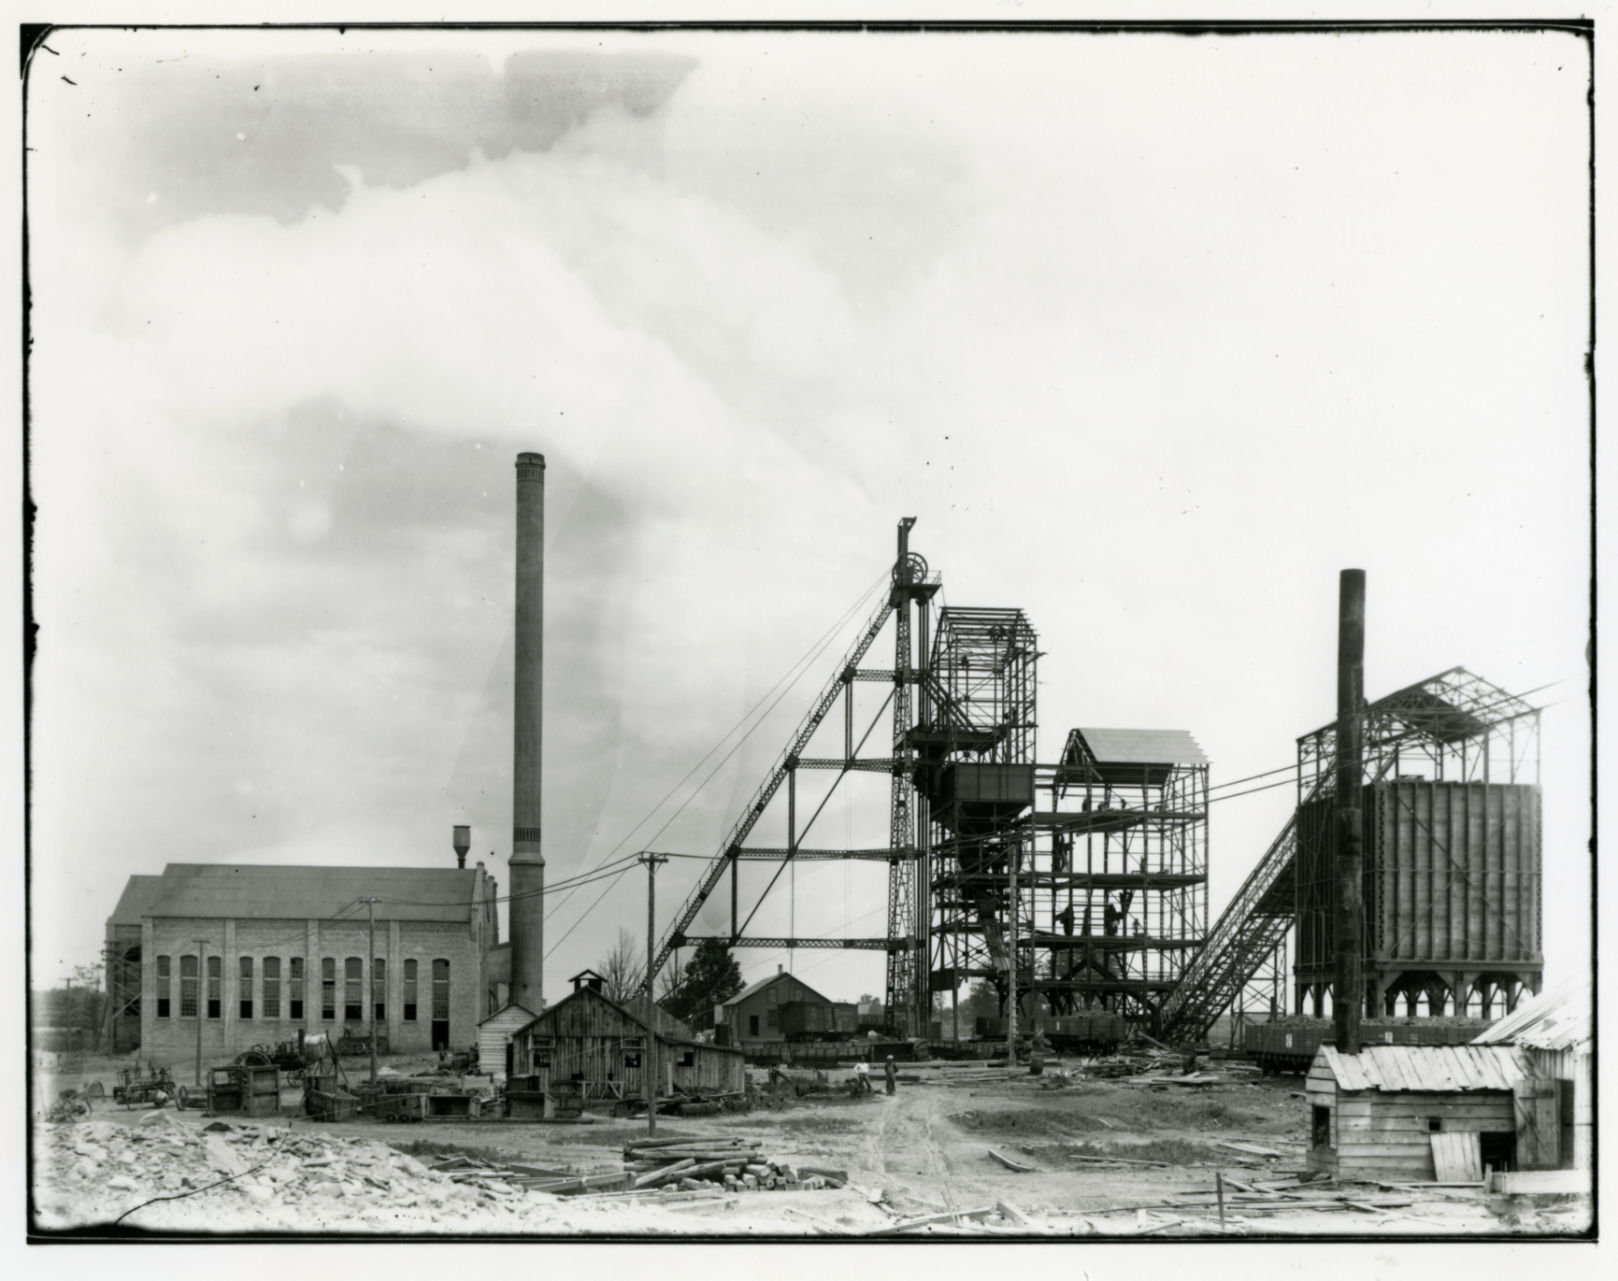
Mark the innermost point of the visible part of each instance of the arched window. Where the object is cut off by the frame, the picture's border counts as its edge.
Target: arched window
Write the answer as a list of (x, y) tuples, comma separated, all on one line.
[(188, 987), (216, 970), (245, 996), (295, 984), (439, 1031), (410, 991), (163, 982), (353, 992), (379, 989), (328, 987), (272, 987), (441, 990)]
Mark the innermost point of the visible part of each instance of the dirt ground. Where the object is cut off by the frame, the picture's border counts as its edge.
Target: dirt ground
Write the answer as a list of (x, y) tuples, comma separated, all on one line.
[(924, 1150)]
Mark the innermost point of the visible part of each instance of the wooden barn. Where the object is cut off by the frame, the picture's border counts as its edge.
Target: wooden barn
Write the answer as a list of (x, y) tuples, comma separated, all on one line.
[(598, 1048), (1424, 1112)]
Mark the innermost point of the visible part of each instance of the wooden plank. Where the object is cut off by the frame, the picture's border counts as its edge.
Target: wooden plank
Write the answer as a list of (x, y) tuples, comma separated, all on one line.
[(1016, 1166), (1457, 1156), (1252, 1148), (663, 1175), (905, 1225)]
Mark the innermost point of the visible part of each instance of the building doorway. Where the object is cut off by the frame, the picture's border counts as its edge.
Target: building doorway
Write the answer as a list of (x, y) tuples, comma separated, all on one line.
[(1498, 1150)]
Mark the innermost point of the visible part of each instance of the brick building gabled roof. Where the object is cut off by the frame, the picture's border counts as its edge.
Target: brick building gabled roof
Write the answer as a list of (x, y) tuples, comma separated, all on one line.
[(313, 893)]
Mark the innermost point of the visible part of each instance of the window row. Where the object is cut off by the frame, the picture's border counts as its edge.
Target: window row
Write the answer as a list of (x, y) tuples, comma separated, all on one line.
[(269, 988)]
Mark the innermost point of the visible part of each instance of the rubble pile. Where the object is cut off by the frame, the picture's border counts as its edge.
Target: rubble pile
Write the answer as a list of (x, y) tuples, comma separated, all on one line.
[(247, 1178)]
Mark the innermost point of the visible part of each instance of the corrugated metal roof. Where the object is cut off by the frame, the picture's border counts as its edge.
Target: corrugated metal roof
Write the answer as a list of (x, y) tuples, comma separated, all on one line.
[(1143, 747), (760, 984), (136, 900), (1556, 1019), (313, 893), (1437, 1069)]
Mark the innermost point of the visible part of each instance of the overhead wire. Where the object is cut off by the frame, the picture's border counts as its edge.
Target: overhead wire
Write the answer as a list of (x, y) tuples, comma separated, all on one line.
[(793, 675)]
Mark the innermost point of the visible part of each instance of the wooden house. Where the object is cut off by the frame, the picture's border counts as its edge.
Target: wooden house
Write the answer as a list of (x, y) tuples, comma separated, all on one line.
[(753, 1015), (1553, 1032), (589, 1044), (1422, 1112)]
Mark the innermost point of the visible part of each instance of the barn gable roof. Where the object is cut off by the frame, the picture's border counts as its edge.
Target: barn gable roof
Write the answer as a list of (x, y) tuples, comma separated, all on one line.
[(760, 984), (669, 1028), (1428, 1069)]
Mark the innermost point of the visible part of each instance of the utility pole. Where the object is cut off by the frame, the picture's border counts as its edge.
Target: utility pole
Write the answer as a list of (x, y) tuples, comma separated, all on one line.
[(370, 970), (202, 999), (649, 1060), (1349, 783), (1011, 1002)]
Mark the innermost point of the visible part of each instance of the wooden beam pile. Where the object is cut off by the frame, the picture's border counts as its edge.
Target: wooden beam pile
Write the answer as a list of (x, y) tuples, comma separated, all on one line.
[(698, 1164)]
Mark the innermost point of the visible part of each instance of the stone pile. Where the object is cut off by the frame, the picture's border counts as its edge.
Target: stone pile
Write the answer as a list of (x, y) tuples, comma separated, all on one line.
[(285, 1179)]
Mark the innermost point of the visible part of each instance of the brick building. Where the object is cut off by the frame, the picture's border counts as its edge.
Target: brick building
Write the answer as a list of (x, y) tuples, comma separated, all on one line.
[(284, 949)]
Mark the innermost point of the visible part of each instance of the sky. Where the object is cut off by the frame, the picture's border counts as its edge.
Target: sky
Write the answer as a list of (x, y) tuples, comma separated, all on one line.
[(1152, 335)]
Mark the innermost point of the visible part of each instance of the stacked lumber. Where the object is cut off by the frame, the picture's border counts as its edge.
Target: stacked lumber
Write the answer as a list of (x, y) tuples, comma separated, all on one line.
[(707, 1164), (528, 1178)]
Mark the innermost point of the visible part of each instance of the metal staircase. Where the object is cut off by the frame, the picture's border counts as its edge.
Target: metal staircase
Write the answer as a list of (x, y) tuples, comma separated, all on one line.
[(1246, 934)]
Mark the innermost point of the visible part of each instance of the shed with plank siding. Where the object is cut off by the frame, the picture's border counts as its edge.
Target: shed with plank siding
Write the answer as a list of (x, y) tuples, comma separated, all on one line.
[(1376, 1114), (494, 1036), (1554, 1031), (589, 1039)]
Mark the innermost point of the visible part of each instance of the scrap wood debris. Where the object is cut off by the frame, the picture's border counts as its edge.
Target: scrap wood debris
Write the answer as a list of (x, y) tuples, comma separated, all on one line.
[(731, 1163)]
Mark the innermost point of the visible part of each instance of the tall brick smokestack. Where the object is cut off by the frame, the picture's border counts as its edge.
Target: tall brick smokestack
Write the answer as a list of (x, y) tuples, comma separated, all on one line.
[(527, 863)]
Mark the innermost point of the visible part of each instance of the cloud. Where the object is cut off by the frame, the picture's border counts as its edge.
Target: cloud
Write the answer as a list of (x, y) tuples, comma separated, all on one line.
[(1149, 333)]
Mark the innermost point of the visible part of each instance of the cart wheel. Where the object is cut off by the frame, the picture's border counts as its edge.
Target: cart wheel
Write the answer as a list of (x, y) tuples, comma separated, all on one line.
[(253, 1058)]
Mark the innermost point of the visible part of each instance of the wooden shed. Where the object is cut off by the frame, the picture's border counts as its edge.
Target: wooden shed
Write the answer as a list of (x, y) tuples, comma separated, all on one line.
[(494, 1038), (1553, 1031), (1422, 1112), (598, 1046)]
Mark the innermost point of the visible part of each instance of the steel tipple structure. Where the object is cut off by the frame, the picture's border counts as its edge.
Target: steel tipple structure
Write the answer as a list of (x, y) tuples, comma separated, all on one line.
[(1073, 886), (1080, 887)]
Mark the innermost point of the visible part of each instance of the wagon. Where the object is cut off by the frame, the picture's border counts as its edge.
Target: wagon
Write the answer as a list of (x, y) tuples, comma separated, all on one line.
[(154, 1090)]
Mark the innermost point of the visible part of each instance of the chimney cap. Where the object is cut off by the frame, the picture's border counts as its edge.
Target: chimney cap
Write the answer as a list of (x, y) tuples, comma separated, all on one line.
[(531, 459)]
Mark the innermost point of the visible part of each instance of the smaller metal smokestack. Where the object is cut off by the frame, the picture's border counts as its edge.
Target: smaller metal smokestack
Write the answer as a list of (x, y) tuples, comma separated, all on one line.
[(463, 842)]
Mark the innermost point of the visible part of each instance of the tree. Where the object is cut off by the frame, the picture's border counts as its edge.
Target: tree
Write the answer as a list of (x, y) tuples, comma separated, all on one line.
[(711, 978), (621, 969)]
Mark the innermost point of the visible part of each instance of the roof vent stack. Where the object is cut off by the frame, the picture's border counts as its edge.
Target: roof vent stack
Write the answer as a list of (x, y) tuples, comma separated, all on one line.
[(462, 842)]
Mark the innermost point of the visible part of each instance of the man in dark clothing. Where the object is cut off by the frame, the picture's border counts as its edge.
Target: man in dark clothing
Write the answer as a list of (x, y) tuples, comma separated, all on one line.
[(890, 1074)]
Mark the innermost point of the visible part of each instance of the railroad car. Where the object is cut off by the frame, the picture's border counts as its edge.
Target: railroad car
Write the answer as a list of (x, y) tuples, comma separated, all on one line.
[(1289, 1045), (818, 1020)]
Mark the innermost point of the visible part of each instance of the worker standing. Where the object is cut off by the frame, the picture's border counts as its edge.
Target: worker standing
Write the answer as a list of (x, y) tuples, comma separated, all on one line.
[(862, 1072), (890, 1074)]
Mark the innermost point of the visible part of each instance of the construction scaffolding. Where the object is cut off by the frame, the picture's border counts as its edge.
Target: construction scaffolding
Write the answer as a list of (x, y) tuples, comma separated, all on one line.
[(1120, 884)]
